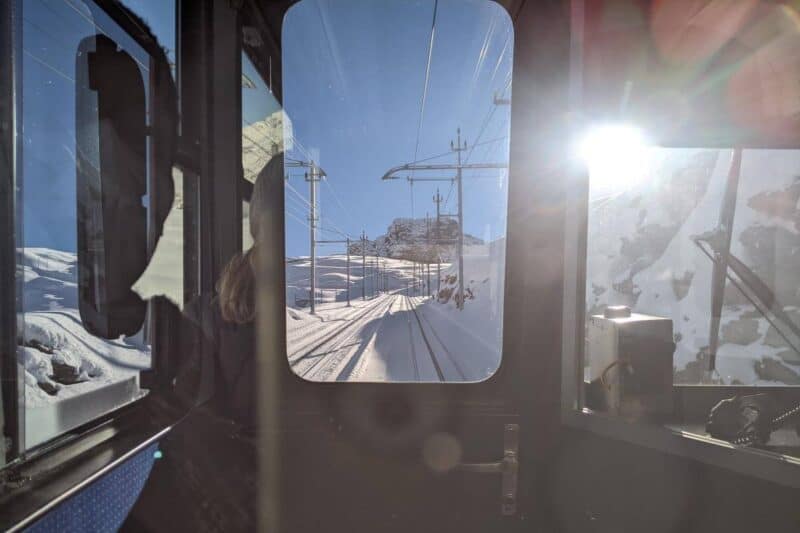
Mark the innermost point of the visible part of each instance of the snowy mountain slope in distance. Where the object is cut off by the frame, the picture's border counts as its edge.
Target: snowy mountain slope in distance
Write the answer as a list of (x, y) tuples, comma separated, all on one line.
[(417, 239)]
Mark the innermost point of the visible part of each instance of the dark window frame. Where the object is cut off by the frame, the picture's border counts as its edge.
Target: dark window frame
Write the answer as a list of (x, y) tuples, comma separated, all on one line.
[(11, 186), (33, 483), (10, 192)]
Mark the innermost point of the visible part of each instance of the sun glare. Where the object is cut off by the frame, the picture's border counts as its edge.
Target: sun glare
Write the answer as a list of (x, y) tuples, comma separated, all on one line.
[(616, 156)]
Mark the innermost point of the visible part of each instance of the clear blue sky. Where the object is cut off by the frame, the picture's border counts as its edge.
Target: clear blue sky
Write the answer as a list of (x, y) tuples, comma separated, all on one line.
[(354, 73)]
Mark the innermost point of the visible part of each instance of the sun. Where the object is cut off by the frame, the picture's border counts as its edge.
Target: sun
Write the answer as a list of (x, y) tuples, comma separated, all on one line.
[(616, 156)]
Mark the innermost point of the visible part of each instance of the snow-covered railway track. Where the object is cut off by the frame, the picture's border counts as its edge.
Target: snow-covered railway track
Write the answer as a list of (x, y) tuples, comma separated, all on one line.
[(334, 362), (411, 343), (304, 365), (325, 325), (434, 360), (453, 361)]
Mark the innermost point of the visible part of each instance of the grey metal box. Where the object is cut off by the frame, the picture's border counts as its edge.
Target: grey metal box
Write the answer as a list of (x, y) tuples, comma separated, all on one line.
[(631, 356)]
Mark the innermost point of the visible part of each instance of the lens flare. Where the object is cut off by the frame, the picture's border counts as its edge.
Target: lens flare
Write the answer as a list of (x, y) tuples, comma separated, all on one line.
[(616, 156)]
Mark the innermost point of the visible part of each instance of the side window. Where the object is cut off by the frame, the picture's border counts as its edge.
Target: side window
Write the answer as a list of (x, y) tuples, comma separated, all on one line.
[(686, 277), (396, 188), (654, 244), (91, 213)]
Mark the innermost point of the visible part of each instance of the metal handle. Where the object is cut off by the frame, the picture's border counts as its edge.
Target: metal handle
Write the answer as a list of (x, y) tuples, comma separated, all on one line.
[(508, 467)]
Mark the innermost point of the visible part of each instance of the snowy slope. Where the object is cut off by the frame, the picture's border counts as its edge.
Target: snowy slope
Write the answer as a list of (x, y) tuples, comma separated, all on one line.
[(61, 358), (331, 280), (475, 333)]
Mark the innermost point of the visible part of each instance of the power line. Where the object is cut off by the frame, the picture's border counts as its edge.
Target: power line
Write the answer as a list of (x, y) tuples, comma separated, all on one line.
[(338, 201), (289, 186), (424, 93), (481, 130), (301, 221)]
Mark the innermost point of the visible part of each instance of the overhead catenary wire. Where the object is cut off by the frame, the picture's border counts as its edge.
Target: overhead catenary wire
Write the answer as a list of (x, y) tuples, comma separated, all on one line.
[(424, 96), (298, 196), (338, 201), (301, 221)]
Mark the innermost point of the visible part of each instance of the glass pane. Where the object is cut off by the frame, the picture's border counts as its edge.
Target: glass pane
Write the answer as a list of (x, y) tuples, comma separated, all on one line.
[(73, 371), (689, 294), (263, 124), (652, 247), (396, 188)]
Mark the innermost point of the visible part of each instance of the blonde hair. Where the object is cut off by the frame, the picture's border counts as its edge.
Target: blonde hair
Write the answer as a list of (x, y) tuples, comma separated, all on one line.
[(237, 283)]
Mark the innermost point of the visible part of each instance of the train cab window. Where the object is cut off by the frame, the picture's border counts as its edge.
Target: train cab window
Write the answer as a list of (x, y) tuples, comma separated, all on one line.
[(396, 189), (686, 249), (98, 220)]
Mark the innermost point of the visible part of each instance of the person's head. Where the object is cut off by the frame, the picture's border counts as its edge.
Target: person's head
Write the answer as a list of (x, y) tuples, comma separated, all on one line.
[(237, 284)]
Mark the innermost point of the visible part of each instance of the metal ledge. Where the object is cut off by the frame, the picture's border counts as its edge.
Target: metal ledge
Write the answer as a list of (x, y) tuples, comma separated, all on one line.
[(769, 466), (52, 420)]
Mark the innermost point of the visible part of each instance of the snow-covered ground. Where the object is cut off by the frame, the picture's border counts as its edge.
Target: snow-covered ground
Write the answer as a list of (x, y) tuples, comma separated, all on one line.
[(61, 359), (401, 334), (641, 253)]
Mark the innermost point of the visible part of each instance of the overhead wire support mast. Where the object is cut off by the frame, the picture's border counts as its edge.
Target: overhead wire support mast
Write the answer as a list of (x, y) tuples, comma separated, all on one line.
[(314, 174), (363, 265), (458, 148), (459, 167)]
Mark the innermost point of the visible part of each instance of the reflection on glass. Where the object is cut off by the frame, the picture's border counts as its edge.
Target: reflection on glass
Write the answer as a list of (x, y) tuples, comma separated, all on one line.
[(396, 189), (72, 375), (264, 125)]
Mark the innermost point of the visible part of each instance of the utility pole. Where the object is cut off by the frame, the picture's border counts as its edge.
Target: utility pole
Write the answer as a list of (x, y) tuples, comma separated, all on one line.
[(427, 229), (312, 177), (314, 174), (429, 279), (458, 148), (438, 274), (438, 201), (459, 167), (348, 272), (363, 265)]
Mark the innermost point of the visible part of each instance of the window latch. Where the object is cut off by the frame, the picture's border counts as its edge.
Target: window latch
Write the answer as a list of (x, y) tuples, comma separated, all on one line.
[(508, 467)]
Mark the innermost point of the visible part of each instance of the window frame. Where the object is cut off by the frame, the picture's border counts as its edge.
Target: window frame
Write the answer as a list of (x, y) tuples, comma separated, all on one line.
[(768, 465), (41, 478), (763, 464), (10, 129), (16, 452)]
